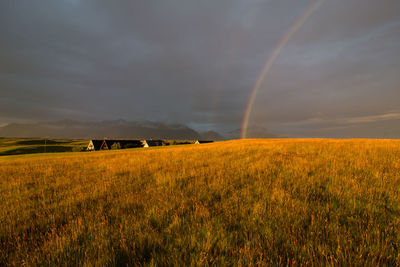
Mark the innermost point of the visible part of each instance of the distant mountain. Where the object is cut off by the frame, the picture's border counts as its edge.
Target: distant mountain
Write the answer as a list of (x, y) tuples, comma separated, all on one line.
[(211, 135), (252, 132), (102, 129)]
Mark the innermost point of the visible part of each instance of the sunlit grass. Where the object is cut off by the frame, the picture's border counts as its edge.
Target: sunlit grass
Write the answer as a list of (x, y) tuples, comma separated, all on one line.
[(229, 203)]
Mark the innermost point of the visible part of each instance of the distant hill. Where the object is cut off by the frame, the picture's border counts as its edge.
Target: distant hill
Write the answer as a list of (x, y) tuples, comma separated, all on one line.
[(101, 129)]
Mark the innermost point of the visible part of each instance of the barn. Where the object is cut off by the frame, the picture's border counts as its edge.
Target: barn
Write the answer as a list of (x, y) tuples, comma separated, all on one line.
[(107, 144), (94, 145), (203, 142), (150, 143)]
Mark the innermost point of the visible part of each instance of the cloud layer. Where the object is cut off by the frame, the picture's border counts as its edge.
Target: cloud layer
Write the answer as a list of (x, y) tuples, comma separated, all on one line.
[(195, 62)]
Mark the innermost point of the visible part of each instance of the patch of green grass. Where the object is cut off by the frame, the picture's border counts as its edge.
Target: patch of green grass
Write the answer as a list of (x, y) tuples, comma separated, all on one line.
[(37, 149), (42, 142), (30, 146)]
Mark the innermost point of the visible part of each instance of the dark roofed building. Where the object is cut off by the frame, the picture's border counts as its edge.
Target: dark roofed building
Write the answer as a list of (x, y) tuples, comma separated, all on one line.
[(106, 144), (129, 143), (94, 145), (149, 143), (203, 141)]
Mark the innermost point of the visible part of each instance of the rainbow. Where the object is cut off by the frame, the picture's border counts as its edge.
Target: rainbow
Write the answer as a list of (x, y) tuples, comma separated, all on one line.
[(300, 21)]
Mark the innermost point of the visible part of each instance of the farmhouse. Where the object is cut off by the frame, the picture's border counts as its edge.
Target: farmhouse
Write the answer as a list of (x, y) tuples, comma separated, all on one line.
[(107, 144), (149, 143), (94, 145), (203, 142)]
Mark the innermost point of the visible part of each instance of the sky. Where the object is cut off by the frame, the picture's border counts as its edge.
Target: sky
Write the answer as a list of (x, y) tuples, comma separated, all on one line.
[(197, 62)]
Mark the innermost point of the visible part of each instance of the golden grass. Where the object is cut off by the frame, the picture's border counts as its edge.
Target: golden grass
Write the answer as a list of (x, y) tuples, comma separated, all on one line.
[(247, 202)]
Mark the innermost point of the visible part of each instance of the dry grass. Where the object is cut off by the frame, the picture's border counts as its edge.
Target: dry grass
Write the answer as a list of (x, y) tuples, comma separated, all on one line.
[(231, 203)]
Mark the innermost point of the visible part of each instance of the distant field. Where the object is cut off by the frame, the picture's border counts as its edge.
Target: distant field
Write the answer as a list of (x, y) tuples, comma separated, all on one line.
[(245, 202), (9, 146)]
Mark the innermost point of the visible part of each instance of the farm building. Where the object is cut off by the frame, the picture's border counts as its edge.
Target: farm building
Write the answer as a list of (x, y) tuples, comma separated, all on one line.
[(203, 142), (94, 145), (108, 144), (149, 143)]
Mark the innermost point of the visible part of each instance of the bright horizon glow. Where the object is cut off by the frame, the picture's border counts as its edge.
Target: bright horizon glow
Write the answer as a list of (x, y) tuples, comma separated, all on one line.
[(300, 21)]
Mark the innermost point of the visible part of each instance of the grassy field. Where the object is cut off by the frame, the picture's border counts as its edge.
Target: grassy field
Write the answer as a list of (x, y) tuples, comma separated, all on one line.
[(245, 202), (13, 146)]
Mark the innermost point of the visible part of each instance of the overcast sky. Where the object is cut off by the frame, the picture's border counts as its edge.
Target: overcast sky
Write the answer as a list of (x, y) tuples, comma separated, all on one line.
[(196, 62)]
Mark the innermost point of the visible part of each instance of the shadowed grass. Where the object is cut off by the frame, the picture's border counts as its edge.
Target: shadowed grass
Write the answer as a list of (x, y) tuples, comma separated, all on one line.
[(29, 146), (249, 202)]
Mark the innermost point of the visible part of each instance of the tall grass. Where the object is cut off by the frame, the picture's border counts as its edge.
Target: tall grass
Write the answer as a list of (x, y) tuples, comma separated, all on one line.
[(251, 202)]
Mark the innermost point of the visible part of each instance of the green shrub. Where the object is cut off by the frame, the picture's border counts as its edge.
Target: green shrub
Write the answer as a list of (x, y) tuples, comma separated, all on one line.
[(78, 149), (116, 145)]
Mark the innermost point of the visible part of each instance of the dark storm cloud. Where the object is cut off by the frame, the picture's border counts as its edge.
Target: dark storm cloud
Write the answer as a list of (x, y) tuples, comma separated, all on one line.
[(196, 62)]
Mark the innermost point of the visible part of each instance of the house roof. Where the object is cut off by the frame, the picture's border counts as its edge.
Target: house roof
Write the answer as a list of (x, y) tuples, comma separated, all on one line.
[(124, 143), (204, 141), (96, 144), (153, 142)]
